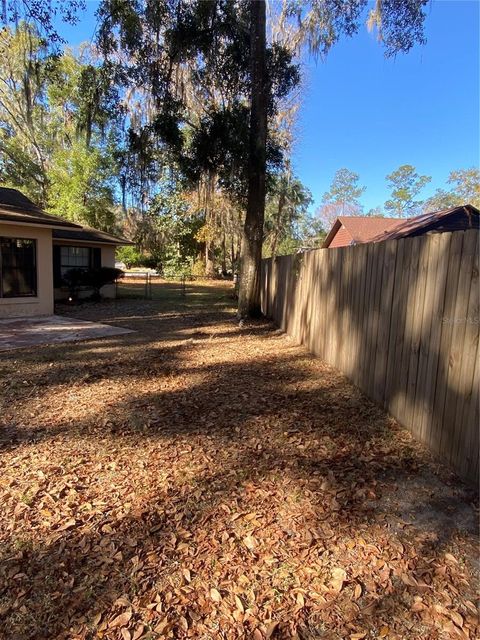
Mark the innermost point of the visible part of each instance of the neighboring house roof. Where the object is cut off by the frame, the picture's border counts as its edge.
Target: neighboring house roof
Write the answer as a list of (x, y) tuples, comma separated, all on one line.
[(87, 234), (453, 219), (16, 207), (358, 229)]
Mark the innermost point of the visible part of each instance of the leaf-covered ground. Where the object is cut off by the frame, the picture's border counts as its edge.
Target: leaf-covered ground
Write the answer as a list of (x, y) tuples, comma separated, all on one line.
[(197, 479)]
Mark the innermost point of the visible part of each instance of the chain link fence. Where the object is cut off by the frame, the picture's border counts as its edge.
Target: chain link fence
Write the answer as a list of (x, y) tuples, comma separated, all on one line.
[(147, 286)]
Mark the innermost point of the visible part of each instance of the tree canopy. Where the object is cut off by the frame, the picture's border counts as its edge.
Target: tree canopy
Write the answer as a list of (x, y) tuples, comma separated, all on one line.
[(406, 185), (176, 127)]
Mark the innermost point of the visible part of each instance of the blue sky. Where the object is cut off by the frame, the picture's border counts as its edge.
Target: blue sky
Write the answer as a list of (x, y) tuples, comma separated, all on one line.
[(372, 114)]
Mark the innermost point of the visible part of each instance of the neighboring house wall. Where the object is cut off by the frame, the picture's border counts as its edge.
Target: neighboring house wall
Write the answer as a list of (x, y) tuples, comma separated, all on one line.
[(107, 260), (341, 239), (42, 303)]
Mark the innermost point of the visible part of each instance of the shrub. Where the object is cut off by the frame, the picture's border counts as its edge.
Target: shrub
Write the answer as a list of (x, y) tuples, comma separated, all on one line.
[(131, 256), (198, 268), (98, 278), (91, 278), (73, 278)]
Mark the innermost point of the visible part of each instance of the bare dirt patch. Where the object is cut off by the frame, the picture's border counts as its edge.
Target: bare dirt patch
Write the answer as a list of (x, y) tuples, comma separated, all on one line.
[(195, 479)]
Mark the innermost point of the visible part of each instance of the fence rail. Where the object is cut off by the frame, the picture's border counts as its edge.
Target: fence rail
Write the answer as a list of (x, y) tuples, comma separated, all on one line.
[(401, 319), (147, 285)]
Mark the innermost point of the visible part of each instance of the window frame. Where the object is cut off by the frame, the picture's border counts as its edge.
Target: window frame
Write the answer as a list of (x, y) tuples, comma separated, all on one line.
[(34, 269), (64, 268)]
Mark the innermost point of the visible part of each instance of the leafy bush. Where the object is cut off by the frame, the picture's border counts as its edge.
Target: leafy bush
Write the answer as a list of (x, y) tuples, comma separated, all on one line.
[(198, 268), (98, 278), (73, 278), (91, 278), (131, 256)]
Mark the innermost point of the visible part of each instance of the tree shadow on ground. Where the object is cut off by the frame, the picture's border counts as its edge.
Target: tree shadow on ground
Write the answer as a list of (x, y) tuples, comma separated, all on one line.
[(157, 489)]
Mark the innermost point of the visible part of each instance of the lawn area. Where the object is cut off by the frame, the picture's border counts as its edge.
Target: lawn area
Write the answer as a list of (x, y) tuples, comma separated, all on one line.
[(197, 479)]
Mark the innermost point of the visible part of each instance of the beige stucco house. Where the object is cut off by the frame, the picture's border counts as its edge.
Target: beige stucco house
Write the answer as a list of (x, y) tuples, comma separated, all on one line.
[(36, 249)]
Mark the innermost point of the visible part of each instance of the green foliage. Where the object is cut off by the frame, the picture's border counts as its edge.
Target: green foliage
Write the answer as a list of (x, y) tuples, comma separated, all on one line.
[(80, 186), (207, 130), (465, 190), (54, 111), (342, 199), (466, 185), (43, 14), (406, 184), (129, 255), (198, 268), (99, 277), (441, 199), (166, 232), (345, 190), (95, 279), (286, 215), (376, 212), (24, 138)]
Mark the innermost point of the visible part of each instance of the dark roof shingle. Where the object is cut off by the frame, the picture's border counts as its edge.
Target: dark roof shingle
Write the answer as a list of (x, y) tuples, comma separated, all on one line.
[(376, 229), (425, 221), (87, 234), (16, 207)]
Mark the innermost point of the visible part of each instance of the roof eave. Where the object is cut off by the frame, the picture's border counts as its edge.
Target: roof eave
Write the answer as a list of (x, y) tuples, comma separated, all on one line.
[(332, 233), (110, 243), (39, 223)]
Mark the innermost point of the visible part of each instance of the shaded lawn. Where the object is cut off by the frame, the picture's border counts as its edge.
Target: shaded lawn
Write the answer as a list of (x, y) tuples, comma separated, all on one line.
[(197, 479)]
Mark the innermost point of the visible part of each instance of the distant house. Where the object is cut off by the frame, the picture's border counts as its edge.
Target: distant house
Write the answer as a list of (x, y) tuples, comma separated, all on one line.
[(348, 230), (36, 249)]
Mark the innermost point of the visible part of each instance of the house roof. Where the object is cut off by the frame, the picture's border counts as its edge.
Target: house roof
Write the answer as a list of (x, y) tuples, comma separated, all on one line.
[(426, 221), (16, 207), (362, 228), (376, 229), (87, 234)]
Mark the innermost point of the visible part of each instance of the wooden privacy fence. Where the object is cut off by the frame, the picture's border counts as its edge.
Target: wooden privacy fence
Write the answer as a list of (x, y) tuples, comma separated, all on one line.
[(401, 319)]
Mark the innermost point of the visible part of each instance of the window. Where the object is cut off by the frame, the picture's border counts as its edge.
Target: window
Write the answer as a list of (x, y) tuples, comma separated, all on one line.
[(18, 268), (74, 258)]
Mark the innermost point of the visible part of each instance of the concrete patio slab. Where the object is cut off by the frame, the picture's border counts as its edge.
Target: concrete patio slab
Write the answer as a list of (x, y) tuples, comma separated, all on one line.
[(17, 333)]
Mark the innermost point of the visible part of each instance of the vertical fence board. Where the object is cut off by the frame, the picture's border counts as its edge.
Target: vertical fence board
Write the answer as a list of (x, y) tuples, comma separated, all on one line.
[(377, 272), (385, 310), (380, 313), (394, 324), (360, 275), (434, 335), (365, 317), (441, 433), (423, 382), (466, 427), (394, 400), (415, 329), (403, 403), (456, 346)]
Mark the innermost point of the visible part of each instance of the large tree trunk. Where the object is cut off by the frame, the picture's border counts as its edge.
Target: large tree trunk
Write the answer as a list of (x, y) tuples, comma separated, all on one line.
[(209, 215), (278, 221), (209, 259), (224, 254), (249, 294)]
